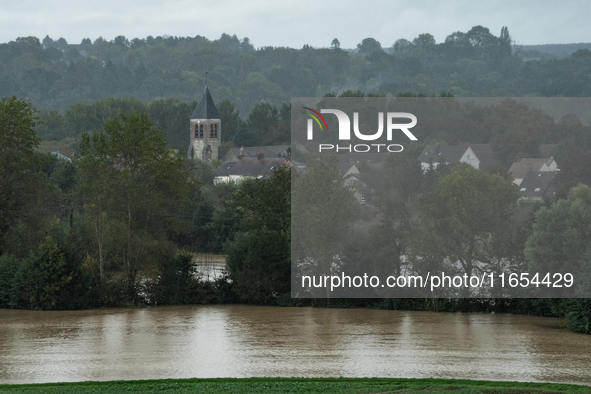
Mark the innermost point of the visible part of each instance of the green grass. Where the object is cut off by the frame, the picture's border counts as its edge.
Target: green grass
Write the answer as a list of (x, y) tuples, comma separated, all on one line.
[(298, 385)]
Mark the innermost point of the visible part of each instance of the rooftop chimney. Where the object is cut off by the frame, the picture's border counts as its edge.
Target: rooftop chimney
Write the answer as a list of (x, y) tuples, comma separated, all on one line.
[(260, 156)]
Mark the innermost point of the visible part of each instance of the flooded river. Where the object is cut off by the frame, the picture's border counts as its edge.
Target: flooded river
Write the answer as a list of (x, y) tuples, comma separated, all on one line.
[(243, 341)]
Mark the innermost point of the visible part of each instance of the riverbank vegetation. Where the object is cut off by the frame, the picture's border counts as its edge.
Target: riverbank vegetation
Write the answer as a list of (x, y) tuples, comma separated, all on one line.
[(300, 385), (116, 223)]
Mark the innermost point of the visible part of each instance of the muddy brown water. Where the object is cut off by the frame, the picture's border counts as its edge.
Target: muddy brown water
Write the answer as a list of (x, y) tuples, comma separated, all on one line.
[(244, 341)]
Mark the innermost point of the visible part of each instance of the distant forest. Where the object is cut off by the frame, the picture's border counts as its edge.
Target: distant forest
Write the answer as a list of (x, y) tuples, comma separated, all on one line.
[(548, 51), (55, 74), (76, 87)]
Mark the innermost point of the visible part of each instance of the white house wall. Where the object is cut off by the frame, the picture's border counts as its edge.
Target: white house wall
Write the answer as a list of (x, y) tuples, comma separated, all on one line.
[(469, 157)]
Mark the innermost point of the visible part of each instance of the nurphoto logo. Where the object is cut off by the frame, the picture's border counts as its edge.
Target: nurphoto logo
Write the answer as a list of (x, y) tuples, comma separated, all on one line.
[(344, 130)]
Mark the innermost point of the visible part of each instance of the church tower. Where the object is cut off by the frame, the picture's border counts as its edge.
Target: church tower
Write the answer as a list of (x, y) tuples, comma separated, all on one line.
[(205, 130)]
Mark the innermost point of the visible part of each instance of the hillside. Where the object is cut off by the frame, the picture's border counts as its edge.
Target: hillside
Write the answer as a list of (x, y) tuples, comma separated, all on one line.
[(54, 74)]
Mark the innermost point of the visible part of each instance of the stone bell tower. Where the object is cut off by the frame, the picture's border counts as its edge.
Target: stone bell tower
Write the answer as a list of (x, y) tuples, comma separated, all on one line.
[(205, 128)]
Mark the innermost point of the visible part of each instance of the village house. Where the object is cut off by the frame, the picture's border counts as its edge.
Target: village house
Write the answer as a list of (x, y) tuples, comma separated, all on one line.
[(361, 174), (519, 169), (476, 155), (347, 168), (362, 186), (249, 168), (367, 160), (277, 151), (61, 156), (537, 185)]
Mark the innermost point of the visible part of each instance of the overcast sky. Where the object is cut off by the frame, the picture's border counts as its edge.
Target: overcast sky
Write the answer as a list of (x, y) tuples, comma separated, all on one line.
[(295, 23)]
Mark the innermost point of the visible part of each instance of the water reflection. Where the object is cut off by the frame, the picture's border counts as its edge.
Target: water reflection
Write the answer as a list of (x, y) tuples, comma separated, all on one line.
[(242, 341)]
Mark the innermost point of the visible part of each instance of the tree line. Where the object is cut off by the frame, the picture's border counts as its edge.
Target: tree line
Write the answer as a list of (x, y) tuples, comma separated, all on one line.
[(265, 124), (114, 226), (55, 74), (513, 130)]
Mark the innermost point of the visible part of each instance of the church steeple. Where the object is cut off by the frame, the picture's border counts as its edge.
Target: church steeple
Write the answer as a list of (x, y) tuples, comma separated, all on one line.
[(205, 128), (205, 108)]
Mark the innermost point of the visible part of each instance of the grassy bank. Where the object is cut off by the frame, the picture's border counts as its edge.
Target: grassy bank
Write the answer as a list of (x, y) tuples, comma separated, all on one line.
[(298, 385)]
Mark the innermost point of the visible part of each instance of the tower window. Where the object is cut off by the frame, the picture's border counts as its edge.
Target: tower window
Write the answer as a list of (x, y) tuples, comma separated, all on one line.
[(201, 131), (215, 131), (196, 131), (210, 131)]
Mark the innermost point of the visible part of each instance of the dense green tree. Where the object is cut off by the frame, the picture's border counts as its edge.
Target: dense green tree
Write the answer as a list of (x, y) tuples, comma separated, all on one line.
[(8, 269), (48, 42), (505, 42), (560, 239), (177, 282), (81, 117), (404, 176), (51, 125), (230, 118), (401, 45), (245, 44), (49, 279), (172, 115), (423, 41), (20, 166), (280, 132), (147, 186), (513, 129), (575, 170), (242, 137), (97, 173), (263, 118), (323, 212), (225, 219), (259, 256), (369, 45), (199, 236), (578, 315), (466, 213), (381, 248), (513, 145)]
